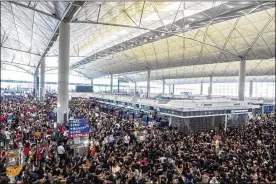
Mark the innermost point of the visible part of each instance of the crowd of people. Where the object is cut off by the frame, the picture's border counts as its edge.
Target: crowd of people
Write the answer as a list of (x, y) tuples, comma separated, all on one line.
[(116, 154)]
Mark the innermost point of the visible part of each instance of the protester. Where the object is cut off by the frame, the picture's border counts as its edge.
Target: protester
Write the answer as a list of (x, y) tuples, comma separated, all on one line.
[(121, 151)]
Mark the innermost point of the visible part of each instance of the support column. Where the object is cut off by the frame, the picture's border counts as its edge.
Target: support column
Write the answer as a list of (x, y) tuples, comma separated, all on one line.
[(111, 83), (173, 89), (210, 86), (201, 88), (242, 80), (251, 88), (42, 80), (92, 85), (63, 72), (118, 86), (213, 121), (225, 122), (148, 83), (163, 91), (36, 83), (170, 121), (135, 88), (170, 89)]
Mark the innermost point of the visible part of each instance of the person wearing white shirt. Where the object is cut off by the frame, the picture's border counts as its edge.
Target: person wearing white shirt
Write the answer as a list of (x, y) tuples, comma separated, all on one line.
[(162, 159), (111, 138), (126, 139), (8, 137), (61, 152), (105, 141)]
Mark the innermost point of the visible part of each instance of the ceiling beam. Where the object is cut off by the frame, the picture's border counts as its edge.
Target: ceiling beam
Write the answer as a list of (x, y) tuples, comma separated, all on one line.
[(81, 62), (18, 66), (258, 36), (191, 21), (15, 63), (20, 50), (36, 10), (71, 11), (110, 24)]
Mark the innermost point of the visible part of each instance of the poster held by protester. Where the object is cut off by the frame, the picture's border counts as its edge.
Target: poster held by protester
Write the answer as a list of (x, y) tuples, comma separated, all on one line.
[(13, 164)]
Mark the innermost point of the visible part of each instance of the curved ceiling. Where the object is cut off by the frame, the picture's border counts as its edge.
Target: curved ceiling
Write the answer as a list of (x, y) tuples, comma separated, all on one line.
[(173, 39), (253, 68)]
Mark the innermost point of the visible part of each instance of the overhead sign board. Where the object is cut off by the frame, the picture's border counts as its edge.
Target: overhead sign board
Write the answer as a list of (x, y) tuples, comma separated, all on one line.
[(268, 108), (79, 128)]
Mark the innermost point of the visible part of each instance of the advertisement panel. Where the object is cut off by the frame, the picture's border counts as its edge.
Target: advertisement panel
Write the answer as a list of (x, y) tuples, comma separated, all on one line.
[(79, 128)]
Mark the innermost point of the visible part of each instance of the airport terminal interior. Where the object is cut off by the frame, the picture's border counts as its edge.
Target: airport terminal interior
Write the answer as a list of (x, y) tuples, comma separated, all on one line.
[(137, 92)]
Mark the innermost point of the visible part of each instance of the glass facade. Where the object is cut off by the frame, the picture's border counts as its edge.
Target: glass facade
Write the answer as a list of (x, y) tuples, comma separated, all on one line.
[(25, 81)]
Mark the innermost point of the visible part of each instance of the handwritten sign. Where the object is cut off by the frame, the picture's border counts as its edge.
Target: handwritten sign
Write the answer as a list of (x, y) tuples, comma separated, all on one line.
[(13, 171)]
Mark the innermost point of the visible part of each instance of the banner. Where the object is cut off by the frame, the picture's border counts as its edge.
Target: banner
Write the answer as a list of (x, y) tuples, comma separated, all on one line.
[(79, 128), (12, 171)]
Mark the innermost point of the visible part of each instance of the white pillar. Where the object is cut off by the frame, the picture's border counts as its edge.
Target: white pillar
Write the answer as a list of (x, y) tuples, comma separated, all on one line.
[(148, 83), (92, 85), (63, 71), (36, 83), (242, 80), (135, 88), (170, 89), (34, 92), (251, 88), (42, 80), (111, 83), (210, 86), (213, 121), (173, 89), (163, 91), (201, 88), (225, 122)]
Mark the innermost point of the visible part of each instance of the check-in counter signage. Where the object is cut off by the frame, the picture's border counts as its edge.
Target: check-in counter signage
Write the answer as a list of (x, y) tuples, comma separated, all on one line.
[(205, 113), (239, 111)]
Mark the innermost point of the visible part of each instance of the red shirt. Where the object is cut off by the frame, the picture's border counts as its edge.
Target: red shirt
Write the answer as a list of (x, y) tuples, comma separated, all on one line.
[(93, 151), (143, 162), (26, 108), (49, 132), (6, 117), (61, 129), (26, 150), (26, 117), (19, 137), (39, 155)]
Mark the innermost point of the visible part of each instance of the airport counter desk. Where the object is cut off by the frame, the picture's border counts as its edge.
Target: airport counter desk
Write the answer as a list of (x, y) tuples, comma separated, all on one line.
[(189, 116), (205, 119)]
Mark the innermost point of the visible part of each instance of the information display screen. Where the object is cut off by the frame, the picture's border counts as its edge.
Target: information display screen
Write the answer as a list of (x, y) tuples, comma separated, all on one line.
[(79, 128)]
